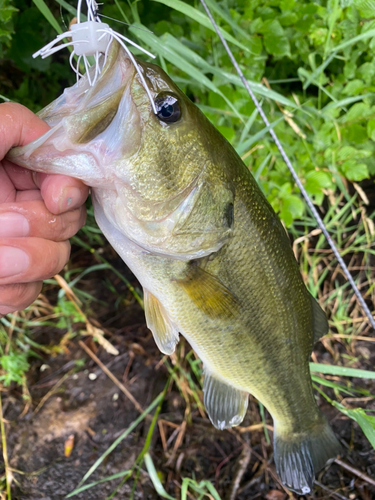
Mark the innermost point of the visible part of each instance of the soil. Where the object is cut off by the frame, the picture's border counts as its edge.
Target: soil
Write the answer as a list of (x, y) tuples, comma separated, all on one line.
[(72, 398)]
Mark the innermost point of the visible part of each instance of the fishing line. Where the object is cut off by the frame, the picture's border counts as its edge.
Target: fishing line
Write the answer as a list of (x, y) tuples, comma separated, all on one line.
[(292, 171), (127, 24)]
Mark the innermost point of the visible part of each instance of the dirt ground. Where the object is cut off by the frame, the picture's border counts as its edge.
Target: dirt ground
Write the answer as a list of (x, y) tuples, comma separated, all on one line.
[(72, 396)]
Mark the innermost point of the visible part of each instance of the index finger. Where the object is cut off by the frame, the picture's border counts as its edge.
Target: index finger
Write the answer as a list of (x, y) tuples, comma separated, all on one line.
[(18, 126)]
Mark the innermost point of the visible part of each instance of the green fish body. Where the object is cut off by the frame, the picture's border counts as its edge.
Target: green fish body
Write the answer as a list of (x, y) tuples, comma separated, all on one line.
[(183, 211)]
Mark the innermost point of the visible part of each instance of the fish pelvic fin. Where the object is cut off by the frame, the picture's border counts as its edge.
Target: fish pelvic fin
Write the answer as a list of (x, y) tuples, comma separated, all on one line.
[(163, 329), (298, 456), (225, 405), (208, 293), (320, 322)]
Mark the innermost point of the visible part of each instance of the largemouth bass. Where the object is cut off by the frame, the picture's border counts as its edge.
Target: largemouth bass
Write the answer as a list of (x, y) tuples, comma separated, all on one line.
[(183, 211)]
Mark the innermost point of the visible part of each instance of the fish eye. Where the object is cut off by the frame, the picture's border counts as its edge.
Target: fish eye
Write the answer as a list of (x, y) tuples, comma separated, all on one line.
[(168, 108)]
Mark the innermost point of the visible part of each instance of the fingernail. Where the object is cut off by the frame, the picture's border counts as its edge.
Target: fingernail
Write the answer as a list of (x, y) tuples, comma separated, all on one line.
[(13, 261), (71, 199), (13, 225)]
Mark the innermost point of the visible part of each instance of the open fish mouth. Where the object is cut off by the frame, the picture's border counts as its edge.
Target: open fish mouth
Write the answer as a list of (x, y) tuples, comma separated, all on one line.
[(90, 126)]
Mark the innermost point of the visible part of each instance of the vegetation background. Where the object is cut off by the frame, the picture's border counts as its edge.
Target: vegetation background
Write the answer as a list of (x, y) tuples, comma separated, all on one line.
[(312, 66)]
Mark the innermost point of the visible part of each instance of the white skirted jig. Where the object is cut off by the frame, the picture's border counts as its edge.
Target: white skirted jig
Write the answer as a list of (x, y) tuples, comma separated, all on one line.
[(93, 38)]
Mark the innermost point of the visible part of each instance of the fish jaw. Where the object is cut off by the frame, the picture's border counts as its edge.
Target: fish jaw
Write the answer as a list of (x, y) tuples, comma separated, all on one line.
[(94, 130)]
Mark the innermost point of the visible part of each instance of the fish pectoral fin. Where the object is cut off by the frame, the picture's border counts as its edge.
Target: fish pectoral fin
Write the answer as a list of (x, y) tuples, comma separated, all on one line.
[(225, 405), (158, 321), (208, 293), (320, 322)]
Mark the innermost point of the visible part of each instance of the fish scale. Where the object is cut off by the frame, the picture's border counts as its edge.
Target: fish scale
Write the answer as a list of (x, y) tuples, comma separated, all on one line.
[(185, 214)]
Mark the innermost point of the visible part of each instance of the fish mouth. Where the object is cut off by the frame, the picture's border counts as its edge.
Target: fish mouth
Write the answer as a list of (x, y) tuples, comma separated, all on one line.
[(92, 128), (116, 74)]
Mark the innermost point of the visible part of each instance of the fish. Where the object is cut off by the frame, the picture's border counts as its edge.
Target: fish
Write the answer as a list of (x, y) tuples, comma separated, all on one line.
[(185, 214)]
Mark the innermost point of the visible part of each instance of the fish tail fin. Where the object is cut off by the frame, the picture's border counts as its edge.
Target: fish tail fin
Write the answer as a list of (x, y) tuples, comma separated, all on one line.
[(298, 456)]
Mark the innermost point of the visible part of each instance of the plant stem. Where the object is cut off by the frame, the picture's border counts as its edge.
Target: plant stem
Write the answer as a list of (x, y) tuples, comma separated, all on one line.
[(8, 474)]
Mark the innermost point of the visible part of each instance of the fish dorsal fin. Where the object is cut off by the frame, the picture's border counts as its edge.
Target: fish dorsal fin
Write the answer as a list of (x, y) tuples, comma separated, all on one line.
[(208, 293), (158, 321), (225, 405), (320, 322)]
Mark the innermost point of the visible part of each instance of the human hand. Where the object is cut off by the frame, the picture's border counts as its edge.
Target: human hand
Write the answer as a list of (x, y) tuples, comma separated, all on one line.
[(38, 214)]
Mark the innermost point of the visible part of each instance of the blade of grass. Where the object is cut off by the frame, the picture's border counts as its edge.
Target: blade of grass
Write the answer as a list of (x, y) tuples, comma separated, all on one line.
[(155, 478), (228, 19), (8, 473), (345, 102), (126, 433), (138, 462), (366, 422), (45, 10), (95, 483), (173, 43), (341, 371), (201, 18), (329, 383), (242, 147), (352, 41), (72, 10)]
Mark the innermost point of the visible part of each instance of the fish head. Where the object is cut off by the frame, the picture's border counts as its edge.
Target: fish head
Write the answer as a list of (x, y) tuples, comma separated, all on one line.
[(161, 179)]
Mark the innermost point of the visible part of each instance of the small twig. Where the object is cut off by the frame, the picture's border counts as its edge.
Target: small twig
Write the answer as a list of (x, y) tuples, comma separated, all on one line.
[(241, 467), (51, 392), (357, 472), (111, 376), (90, 328), (331, 492), (351, 337), (8, 473), (255, 427)]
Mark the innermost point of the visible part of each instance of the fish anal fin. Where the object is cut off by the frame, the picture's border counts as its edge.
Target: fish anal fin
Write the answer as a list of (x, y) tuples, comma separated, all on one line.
[(158, 321), (208, 293), (225, 405), (320, 322)]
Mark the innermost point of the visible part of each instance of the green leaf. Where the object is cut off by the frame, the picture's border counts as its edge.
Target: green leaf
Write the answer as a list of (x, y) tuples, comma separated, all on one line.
[(354, 87), (366, 7), (292, 208), (358, 111), (277, 45), (355, 171), (316, 181), (275, 41), (367, 72), (371, 129), (227, 132), (15, 365)]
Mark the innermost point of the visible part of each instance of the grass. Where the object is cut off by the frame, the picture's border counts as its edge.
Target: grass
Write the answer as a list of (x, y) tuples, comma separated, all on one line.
[(71, 306)]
